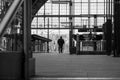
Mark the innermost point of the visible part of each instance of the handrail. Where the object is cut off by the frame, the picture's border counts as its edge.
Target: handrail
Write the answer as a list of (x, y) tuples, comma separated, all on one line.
[(9, 15)]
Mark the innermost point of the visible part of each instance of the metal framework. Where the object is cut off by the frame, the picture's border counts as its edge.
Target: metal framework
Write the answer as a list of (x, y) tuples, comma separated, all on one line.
[(83, 15), (56, 11)]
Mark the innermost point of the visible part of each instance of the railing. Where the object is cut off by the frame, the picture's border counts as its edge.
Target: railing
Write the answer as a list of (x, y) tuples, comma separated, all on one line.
[(92, 45)]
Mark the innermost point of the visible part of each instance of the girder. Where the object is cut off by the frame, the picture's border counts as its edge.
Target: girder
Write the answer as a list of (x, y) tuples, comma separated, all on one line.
[(36, 5)]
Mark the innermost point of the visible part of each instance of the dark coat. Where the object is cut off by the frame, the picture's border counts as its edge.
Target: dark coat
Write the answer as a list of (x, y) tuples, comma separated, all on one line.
[(60, 42)]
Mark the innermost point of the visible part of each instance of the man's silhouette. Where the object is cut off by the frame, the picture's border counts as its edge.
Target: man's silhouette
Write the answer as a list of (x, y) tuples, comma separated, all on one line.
[(60, 44)]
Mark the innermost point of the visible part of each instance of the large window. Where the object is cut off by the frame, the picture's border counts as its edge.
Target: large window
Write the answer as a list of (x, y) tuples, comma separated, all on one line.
[(56, 16), (60, 9)]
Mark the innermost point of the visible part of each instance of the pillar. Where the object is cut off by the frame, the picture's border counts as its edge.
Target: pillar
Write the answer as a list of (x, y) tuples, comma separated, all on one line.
[(117, 27), (71, 28), (108, 36), (27, 37)]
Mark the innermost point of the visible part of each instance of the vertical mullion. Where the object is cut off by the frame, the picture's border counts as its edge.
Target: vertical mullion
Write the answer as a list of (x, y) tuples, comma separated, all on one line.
[(37, 25), (89, 13), (59, 17), (44, 16), (104, 10), (51, 14), (81, 13)]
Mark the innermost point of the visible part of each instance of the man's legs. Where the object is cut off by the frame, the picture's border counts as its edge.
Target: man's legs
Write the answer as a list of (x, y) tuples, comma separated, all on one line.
[(61, 49)]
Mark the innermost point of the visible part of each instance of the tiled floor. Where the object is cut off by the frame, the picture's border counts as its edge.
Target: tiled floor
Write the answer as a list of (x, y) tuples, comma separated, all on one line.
[(80, 67)]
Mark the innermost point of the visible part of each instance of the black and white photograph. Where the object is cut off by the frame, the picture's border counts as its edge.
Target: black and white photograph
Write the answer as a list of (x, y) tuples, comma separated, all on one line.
[(59, 39)]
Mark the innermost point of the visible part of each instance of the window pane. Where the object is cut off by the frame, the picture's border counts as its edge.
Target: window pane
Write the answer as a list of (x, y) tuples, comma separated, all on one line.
[(85, 8)]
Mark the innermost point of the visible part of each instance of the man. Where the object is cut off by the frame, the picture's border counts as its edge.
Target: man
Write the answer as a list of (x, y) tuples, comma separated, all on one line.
[(60, 44)]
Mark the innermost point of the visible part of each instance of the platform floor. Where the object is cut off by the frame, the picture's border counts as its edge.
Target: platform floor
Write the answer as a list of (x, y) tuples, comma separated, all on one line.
[(80, 67)]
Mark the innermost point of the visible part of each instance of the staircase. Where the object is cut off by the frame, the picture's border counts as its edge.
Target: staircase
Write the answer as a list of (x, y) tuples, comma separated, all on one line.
[(4, 6), (7, 6)]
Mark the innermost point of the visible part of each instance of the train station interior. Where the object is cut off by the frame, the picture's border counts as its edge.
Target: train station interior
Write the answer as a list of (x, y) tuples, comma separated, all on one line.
[(29, 33)]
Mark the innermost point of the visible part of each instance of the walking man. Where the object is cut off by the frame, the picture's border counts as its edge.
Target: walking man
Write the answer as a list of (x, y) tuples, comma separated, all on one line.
[(60, 44)]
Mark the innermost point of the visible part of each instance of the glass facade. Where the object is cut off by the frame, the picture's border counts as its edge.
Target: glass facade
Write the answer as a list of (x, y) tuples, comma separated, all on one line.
[(58, 12), (55, 16)]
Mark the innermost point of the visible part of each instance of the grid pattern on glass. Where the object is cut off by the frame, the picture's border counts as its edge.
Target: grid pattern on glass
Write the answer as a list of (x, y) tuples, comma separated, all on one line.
[(64, 9), (64, 22), (79, 7)]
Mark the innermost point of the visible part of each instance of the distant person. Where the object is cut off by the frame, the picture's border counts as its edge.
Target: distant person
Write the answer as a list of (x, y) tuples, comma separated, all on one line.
[(60, 44), (54, 46)]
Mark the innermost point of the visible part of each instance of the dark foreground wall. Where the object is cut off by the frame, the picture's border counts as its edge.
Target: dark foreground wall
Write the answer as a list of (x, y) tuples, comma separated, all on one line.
[(11, 65)]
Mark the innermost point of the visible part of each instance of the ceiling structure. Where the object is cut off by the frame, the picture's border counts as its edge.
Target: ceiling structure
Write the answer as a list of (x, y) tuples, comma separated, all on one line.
[(36, 5)]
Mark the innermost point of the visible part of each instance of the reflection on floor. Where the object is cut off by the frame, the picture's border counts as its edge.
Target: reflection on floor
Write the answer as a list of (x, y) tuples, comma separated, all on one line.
[(53, 65)]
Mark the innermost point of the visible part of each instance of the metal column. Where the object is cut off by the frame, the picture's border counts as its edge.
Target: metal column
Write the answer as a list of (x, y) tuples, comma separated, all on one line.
[(117, 27), (71, 30), (48, 36), (109, 36), (27, 36)]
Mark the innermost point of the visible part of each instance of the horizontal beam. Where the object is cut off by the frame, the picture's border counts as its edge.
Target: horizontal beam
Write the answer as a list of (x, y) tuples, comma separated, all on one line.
[(61, 2), (49, 28), (54, 28), (83, 15), (64, 28)]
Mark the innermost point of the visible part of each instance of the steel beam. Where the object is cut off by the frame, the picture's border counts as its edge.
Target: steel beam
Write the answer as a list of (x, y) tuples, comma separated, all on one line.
[(9, 16), (83, 15), (27, 35), (117, 27)]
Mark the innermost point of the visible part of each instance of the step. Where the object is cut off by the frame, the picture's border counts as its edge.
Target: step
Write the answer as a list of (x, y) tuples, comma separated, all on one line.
[(70, 78)]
